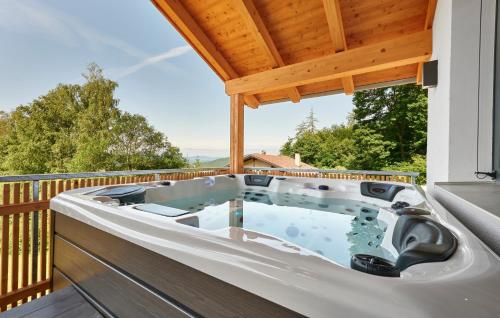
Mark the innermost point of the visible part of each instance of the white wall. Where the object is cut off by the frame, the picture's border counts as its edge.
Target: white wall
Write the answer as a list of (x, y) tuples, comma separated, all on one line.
[(459, 129), (439, 97)]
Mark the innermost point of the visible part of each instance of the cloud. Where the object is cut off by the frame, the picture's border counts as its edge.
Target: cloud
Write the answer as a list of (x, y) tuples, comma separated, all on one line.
[(29, 17), (172, 53), (22, 17)]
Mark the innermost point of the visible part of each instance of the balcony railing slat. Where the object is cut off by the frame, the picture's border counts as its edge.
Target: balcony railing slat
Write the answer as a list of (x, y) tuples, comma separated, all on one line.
[(5, 245), (15, 241), (26, 238), (43, 235), (53, 192)]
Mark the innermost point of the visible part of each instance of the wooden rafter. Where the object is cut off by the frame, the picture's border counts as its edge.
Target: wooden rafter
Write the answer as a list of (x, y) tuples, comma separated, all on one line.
[(253, 20), (175, 12), (408, 49), (429, 19), (336, 28)]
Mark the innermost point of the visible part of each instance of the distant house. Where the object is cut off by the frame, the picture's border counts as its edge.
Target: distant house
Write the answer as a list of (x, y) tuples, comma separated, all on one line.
[(274, 161)]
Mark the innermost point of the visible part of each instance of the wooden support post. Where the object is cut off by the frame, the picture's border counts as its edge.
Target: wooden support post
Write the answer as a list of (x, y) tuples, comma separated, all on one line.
[(236, 134)]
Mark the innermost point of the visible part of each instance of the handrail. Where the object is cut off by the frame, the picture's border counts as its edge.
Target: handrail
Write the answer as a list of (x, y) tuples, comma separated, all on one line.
[(368, 172), (63, 176)]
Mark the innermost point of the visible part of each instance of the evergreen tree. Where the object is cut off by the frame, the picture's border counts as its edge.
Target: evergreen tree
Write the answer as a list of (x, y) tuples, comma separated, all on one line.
[(308, 125)]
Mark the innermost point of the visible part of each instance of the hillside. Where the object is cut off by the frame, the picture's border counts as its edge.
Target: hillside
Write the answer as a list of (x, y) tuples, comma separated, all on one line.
[(217, 163), (193, 159)]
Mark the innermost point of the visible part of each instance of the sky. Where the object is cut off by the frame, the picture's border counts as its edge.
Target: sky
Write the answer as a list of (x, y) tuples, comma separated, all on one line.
[(47, 42)]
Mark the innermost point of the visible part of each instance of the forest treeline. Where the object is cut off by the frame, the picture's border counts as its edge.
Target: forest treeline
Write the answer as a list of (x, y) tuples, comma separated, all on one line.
[(387, 130)]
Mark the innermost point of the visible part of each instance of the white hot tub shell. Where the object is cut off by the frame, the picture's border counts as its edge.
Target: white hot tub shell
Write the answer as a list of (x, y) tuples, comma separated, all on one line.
[(297, 280)]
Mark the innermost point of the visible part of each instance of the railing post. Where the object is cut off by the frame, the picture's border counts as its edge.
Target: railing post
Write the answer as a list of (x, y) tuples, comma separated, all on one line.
[(413, 180), (34, 239), (157, 177)]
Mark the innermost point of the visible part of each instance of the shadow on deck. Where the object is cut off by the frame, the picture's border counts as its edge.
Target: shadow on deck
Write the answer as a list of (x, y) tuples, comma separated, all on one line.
[(66, 302)]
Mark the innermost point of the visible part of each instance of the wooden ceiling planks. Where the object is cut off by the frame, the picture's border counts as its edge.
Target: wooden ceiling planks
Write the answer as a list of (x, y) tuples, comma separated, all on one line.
[(251, 16), (298, 28), (406, 72), (255, 36), (368, 22)]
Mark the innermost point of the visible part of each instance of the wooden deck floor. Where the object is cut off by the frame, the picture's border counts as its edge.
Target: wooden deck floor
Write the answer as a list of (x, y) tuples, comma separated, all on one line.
[(63, 303)]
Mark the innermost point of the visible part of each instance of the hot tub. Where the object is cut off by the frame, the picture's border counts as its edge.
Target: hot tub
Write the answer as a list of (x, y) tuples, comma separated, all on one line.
[(263, 246)]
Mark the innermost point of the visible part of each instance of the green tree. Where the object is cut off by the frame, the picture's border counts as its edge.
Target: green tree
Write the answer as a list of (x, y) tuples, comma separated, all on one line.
[(4, 132), (387, 129), (325, 148), (337, 147), (137, 145), (370, 150), (4, 123), (98, 113), (417, 164), (171, 157), (196, 163), (39, 134), (399, 114), (77, 128)]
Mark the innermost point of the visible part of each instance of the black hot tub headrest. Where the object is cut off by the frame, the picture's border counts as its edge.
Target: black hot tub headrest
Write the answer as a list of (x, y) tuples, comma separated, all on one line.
[(126, 194), (417, 239), (420, 240), (379, 190)]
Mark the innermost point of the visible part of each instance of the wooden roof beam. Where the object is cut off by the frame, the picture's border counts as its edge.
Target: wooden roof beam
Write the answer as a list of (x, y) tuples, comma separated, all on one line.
[(429, 19), (405, 50), (178, 16), (336, 27), (256, 25)]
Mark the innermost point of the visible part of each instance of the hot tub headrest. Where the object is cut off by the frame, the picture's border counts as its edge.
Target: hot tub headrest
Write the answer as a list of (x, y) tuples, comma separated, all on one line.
[(420, 240), (379, 190), (126, 194), (257, 180)]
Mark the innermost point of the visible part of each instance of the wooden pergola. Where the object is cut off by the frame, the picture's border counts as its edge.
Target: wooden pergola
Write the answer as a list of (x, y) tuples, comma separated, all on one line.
[(269, 51)]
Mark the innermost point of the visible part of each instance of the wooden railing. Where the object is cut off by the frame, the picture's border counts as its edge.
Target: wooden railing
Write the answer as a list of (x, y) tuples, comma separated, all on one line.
[(26, 220), (394, 176), (26, 224)]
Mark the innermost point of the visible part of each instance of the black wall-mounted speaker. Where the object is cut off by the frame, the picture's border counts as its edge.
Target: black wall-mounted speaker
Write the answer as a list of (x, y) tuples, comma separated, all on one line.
[(430, 74)]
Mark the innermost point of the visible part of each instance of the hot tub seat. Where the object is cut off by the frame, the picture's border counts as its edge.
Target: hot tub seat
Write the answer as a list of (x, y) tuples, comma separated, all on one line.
[(421, 240), (417, 239)]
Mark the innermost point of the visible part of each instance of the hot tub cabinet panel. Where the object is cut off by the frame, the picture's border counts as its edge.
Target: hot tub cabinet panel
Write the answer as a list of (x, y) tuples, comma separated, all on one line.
[(131, 281), (114, 290)]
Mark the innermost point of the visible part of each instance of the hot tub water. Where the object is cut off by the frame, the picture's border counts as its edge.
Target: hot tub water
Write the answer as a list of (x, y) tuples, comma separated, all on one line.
[(333, 228)]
